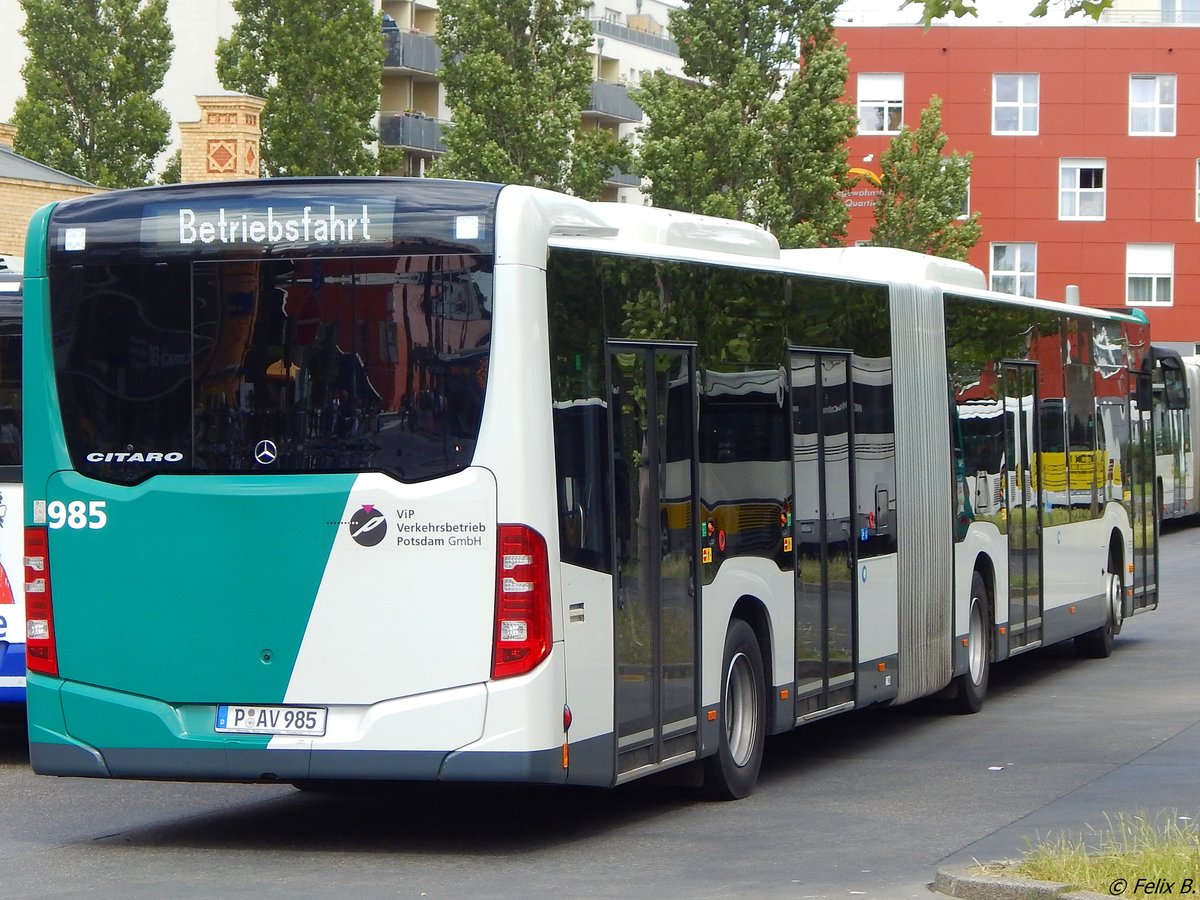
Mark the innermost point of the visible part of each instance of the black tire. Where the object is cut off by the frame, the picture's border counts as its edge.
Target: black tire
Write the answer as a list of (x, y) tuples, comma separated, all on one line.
[(970, 688), (1098, 643), (731, 773)]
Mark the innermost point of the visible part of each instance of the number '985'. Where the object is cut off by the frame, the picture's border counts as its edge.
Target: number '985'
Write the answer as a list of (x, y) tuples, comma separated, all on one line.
[(76, 514)]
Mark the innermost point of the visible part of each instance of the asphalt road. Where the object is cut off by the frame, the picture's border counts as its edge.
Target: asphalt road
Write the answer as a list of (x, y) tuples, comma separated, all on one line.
[(866, 805)]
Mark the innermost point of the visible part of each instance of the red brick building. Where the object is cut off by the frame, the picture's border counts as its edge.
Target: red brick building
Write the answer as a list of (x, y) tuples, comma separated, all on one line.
[(1086, 145)]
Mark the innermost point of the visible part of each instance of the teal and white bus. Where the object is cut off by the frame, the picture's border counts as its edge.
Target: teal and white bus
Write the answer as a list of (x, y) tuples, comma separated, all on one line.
[(430, 480)]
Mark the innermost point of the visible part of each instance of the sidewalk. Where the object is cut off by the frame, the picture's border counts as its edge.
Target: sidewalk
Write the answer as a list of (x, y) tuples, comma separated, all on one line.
[(1164, 780)]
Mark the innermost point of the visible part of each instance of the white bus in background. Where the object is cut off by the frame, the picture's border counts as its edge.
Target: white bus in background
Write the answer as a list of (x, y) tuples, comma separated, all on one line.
[(990, 473), (1176, 433)]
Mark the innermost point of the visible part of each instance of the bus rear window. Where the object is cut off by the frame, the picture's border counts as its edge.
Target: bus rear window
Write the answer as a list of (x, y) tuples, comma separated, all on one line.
[(10, 379), (273, 365)]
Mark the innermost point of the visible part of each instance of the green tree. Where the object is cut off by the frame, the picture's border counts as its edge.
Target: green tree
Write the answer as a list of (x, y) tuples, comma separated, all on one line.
[(318, 65), (937, 9), (923, 192), (90, 78), (517, 77), (172, 172), (752, 133), (800, 199)]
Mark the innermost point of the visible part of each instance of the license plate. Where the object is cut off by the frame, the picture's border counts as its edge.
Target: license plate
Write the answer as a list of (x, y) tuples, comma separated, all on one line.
[(297, 720)]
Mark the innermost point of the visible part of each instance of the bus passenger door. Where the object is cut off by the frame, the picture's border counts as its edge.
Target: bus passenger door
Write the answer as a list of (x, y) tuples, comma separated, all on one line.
[(1143, 496), (825, 528), (655, 577), (1024, 479)]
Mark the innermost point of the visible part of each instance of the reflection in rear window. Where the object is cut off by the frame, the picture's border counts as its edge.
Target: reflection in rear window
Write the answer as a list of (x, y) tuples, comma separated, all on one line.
[(276, 365)]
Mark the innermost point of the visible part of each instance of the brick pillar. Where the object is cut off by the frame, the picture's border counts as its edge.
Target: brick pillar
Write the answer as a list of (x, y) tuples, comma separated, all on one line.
[(224, 143)]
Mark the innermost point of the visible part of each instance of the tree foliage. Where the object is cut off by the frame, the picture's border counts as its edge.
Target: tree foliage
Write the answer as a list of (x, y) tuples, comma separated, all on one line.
[(517, 78), (90, 77), (938, 9), (172, 172), (923, 192), (757, 130), (318, 65)]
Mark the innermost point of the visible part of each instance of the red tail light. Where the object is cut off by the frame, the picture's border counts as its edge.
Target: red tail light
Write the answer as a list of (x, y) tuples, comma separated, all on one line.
[(523, 633), (41, 655)]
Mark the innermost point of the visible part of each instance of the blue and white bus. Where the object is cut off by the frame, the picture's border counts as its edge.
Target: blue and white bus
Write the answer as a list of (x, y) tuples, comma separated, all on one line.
[(429, 480), (12, 587)]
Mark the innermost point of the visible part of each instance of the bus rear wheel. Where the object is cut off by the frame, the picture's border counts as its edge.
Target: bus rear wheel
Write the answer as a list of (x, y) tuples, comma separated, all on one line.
[(1098, 644), (970, 688), (732, 771)]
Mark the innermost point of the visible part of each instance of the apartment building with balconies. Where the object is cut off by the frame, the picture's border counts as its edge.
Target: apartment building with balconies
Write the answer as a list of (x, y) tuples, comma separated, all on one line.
[(631, 37)]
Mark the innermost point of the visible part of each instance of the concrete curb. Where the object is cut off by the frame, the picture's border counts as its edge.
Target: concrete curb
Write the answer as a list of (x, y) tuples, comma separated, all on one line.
[(988, 881)]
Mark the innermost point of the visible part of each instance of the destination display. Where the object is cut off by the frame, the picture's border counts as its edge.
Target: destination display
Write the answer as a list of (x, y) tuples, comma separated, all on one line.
[(333, 222), (272, 218)]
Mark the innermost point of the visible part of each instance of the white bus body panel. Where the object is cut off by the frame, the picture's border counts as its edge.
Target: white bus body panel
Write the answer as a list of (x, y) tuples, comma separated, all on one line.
[(525, 713), (878, 615), (1075, 557), (738, 577), (982, 540), (588, 647), (393, 601)]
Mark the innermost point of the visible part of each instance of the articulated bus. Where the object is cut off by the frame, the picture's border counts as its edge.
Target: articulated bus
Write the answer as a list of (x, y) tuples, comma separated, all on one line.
[(1176, 432), (417, 479), (12, 587)]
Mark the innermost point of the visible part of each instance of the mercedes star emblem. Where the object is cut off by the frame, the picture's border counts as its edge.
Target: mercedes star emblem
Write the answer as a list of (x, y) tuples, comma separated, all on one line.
[(265, 452)]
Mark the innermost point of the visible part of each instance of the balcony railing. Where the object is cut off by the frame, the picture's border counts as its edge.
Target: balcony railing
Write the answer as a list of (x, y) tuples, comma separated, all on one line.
[(617, 178), (418, 52), (633, 36), (412, 131), (1188, 16), (612, 100)]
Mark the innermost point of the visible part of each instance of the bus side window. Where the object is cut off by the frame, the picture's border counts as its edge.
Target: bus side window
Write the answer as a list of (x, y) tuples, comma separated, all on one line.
[(581, 454)]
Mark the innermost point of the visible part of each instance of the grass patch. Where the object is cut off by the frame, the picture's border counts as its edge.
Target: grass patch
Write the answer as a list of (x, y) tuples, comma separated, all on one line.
[(1129, 849)]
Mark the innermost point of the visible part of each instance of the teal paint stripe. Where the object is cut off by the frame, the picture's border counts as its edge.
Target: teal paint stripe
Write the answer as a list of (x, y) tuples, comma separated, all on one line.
[(198, 589), (35, 241), (45, 450), (46, 722)]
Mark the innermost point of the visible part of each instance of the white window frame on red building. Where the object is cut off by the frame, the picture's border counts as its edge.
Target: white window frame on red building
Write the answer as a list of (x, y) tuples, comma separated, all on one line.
[(1021, 275), (1159, 103), (1077, 182), (1024, 101), (1153, 268), (1198, 190), (882, 94)]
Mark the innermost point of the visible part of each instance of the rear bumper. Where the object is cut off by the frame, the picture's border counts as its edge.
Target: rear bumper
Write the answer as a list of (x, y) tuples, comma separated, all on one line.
[(12, 672), (87, 731), (73, 758)]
